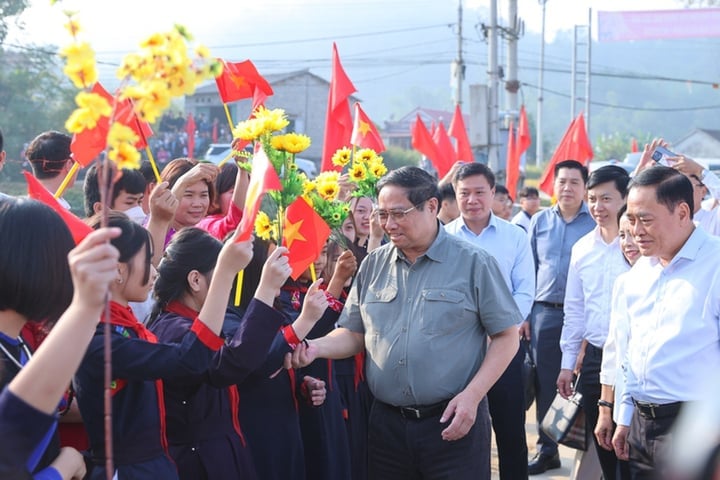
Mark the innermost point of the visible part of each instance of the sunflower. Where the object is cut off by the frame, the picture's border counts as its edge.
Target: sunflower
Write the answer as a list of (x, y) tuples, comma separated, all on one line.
[(328, 176), (377, 168), (263, 226), (249, 129), (328, 190), (358, 172), (341, 157), (366, 155), (295, 142), (271, 120)]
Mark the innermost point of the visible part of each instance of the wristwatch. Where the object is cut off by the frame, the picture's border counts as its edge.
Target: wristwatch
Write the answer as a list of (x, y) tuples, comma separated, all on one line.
[(606, 404)]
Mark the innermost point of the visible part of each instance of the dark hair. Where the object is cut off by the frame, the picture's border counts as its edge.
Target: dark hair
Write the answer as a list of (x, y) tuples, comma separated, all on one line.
[(671, 187), (48, 153), (573, 164), (132, 239), (147, 172), (472, 169), (419, 185), (610, 173), (179, 167), (190, 249), (35, 277), (501, 189), (251, 277), (527, 192), (621, 212), (224, 182), (132, 181), (447, 192)]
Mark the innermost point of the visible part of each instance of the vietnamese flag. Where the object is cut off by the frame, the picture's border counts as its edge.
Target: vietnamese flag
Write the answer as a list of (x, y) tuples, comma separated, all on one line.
[(458, 131), (512, 168), (338, 120), (125, 114), (634, 146), (423, 142), (365, 134), (445, 148), (88, 144), (574, 145), (242, 80), (190, 131), (523, 134), (37, 191), (304, 235), (262, 179)]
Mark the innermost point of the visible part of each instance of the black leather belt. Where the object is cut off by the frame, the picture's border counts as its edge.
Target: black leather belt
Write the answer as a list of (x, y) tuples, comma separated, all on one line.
[(656, 410), (420, 411), (551, 304)]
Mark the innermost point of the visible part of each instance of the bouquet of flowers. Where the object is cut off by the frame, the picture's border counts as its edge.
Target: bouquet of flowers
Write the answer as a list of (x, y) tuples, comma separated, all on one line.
[(364, 169), (323, 195)]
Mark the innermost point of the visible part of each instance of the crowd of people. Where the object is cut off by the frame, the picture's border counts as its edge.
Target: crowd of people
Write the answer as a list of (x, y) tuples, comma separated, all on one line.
[(398, 361)]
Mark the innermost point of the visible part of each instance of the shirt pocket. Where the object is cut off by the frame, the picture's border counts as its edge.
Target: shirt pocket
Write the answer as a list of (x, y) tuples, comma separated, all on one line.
[(443, 311), (378, 309)]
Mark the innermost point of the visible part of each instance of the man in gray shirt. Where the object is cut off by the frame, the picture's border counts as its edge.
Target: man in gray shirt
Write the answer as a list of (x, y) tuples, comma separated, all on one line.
[(423, 306)]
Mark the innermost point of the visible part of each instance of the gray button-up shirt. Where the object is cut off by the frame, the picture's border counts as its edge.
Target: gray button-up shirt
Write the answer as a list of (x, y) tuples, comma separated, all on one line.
[(426, 324)]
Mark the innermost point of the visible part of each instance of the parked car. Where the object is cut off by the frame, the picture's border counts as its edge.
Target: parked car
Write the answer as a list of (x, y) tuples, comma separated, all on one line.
[(595, 164), (217, 152)]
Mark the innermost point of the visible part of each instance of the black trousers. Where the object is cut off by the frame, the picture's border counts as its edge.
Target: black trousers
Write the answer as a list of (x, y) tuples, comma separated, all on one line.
[(590, 387), (409, 449), (506, 400), (649, 441)]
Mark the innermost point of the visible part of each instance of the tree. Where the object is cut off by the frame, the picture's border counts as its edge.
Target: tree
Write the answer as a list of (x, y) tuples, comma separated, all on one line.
[(9, 9), (617, 145)]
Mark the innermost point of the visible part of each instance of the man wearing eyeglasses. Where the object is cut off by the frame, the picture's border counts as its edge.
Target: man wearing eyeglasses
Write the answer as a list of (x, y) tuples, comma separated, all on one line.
[(51, 159), (423, 306)]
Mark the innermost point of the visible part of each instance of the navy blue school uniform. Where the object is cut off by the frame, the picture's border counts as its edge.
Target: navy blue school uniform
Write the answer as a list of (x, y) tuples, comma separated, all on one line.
[(14, 354), (327, 452), (203, 430), (138, 364), (268, 410)]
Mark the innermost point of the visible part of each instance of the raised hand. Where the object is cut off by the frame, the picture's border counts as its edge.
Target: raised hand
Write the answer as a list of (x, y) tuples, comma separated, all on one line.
[(274, 274), (163, 203)]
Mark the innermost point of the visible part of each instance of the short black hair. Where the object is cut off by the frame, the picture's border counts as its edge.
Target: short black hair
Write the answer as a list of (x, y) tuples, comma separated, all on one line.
[(447, 192), (472, 169), (573, 164), (419, 185), (224, 182), (148, 172), (131, 240), (48, 153), (502, 190), (671, 187), (527, 192), (35, 278), (610, 173), (190, 249), (132, 181)]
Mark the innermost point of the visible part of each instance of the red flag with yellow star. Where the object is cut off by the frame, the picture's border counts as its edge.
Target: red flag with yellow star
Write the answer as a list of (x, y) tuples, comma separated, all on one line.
[(304, 235), (242, 80), (262, 179), (87, 145), (338, 120), (364, 134), (37, 191)]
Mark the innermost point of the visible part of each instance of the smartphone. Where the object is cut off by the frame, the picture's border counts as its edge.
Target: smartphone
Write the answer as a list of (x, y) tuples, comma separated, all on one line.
[(661, 154)]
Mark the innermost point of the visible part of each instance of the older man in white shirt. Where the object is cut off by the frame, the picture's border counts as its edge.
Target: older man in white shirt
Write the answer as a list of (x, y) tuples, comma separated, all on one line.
[(672, 310)]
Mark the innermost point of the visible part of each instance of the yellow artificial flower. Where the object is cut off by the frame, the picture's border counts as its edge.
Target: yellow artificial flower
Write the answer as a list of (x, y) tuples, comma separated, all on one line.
[(328, 190), (202, 51), (308, 187), (278, 142), (329, 176), (358, 172), (366, 155), (249, 129), (295, 142), (341, 157), (263, 226), (92, 107), (72, 26), (80, 66), (272, 120), (94, 102), (156, 40), (120, 133), (377, 168), (79, 120)]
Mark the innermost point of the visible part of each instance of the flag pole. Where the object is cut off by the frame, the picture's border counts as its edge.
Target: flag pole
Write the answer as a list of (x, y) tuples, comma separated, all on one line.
[(238, 287), (229, 118), (313, 275), (153, 164), (227, 157), (66, 180)]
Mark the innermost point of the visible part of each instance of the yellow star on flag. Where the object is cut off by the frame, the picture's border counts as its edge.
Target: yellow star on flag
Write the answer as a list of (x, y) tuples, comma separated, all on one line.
[(364, 128), (292, 232), (238, 80)]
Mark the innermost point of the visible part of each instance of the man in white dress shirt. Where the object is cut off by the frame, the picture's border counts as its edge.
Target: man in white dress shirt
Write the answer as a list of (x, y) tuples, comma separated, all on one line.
[(595, 262), (672, 309)]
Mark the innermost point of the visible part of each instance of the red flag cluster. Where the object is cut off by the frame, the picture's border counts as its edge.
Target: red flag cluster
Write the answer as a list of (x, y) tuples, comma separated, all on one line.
[(88, 144), (517, 145), (438, 147), (574, 145)]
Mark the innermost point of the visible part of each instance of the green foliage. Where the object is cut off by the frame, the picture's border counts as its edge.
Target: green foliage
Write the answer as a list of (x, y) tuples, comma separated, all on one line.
[(34, 97), (396, 157), (616, 145), (9, 8)]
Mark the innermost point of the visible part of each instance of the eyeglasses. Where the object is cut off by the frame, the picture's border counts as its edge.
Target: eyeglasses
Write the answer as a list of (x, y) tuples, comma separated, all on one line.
[(396, 215)]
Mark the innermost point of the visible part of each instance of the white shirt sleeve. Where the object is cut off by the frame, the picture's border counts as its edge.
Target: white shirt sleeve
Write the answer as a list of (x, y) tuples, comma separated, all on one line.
[(574, 321)]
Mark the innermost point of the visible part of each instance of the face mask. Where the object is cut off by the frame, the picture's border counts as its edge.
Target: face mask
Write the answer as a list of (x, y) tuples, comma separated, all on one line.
[(136, 214)]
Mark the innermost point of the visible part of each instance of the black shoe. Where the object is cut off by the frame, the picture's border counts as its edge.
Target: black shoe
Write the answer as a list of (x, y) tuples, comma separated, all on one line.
[(542, 462)]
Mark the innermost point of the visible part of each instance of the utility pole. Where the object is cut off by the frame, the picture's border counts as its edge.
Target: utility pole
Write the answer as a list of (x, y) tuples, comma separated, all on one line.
[(459, 65), (493, 97), (512, 85), (538, 121)]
